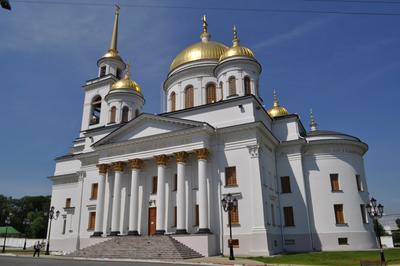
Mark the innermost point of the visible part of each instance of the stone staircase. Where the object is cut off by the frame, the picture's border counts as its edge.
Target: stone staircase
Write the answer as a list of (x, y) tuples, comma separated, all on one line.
[(138, 247)]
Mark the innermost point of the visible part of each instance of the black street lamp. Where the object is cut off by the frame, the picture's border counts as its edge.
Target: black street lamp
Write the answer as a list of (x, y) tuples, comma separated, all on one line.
[(375, 212), (7, 222), (26, 222), (51, 218), (228, 203)]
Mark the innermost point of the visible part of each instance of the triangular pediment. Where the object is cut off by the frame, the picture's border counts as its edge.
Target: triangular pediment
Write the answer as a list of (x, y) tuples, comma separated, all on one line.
[(146, 125)]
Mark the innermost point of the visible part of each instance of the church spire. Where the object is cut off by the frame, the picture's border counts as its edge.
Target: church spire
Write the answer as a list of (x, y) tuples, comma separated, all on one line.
[(113, 50), (276, 101), (235, 39), (205, 35), (313, 124)]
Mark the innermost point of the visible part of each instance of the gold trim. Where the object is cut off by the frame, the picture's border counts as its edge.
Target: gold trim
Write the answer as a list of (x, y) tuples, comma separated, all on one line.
[(136, 163), (118, 166), (181, 156), (161, 159), (103, 168), (202, 154)]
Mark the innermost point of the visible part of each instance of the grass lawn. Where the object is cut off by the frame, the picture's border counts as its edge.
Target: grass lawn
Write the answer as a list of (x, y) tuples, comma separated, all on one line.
[(343, 258), (28, 251)]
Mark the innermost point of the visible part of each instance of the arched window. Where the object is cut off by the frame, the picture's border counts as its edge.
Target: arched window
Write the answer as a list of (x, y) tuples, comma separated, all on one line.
[(95, 110), (211, 93), (232, 86), (221, 85), (247, 90), (173, 101), (113, 114), (125, 114), (189, 98)]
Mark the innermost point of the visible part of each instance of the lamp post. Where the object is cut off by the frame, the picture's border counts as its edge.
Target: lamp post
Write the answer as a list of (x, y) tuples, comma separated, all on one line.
[(26, 222), (52, 216), (228, 203), (7, 222), (375, 211)]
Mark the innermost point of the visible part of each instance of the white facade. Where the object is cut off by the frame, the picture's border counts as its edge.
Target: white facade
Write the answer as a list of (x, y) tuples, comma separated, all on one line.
[(167, 173)]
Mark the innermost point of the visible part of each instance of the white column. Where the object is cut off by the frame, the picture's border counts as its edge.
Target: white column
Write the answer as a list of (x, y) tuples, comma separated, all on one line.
[(203, 195), (160, 201), (100, 200), (180, 193), (116, 208), (136, 165)]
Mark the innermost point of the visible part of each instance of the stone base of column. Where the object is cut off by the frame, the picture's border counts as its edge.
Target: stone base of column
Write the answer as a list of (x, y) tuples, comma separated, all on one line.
[(133, 233), (160, 232), (114, 233), (97, 234), (181, 232), (203, 231)]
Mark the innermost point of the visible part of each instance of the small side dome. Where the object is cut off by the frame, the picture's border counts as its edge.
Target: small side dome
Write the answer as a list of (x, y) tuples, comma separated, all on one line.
[(276, 110), (127, 83), (236, 49)]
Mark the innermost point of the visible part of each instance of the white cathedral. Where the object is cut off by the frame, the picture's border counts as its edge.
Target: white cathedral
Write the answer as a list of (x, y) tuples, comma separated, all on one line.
[(133, 173)]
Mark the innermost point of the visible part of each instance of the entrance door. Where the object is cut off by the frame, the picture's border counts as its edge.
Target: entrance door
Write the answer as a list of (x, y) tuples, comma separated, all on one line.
[(152, 221)]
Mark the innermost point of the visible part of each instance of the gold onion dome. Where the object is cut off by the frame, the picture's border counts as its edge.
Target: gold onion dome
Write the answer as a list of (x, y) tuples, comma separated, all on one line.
[(277, 110), (127, 83), (204, 50), (236, 49), (113, 51)]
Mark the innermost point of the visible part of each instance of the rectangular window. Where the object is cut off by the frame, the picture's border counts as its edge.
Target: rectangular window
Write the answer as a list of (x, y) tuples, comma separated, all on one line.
[(339, 216), (273, 214), (285, 184), (175, 183), (288, 216), (154, 185), (64, 226), (93, 194), (102, 71), (359, 183), (363, 213), (196, 215), (175, 216), (230, 176), (68, 203), (290, 242), (335, 182), (92, 220), (119, 72), (343, 241), (235, 215)]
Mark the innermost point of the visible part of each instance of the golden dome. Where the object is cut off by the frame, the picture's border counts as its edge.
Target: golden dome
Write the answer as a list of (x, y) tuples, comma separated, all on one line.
[(277, 110), (126, 83), (236, 49), (112, 54), (204, 50)]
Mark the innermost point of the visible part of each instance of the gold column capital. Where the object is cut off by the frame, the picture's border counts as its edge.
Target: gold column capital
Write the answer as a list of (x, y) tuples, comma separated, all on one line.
[(103, 168), (118, 166), (181, 156), (202, 154), (136, 163), (161, 159)]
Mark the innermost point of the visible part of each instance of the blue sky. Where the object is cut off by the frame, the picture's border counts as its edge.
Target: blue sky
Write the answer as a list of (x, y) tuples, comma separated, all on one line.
[(345, 67)]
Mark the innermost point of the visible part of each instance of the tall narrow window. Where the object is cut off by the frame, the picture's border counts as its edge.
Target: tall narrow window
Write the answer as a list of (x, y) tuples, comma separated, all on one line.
[(335, 182), (189, 97), (288, 216), (102, 71), (113, 114), (137, 113), (235, 215), (285, 184), (119, 72), (247, 90), (359, 183), (221, 86), (125, 114), (196, 215), (92, 220), (363, 213), (68, 203), (232, 86), (93, 193), (95, 110), (173, 101), (230, 176), (175, 217), (339, 216), (64, 228), (175, 183), (273, 214), (154, 185), (211, 93)]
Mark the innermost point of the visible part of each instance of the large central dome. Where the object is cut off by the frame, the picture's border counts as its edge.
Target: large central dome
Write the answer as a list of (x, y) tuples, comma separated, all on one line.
[(204, 50)]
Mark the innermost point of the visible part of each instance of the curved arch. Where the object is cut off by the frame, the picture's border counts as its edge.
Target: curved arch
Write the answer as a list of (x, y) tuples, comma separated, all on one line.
[(211, 92), (125, 114), (189, 96), (172, 98), (95, 110), (232, 85), (113, 114), (247, 88)]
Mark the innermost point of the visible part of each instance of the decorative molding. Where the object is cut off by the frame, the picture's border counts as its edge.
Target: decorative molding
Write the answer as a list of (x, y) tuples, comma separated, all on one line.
[(254, 150), (136, 163), (81, 175), (103, 168), (161, 159), (118, 166), (202, 154), (181, 156)]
